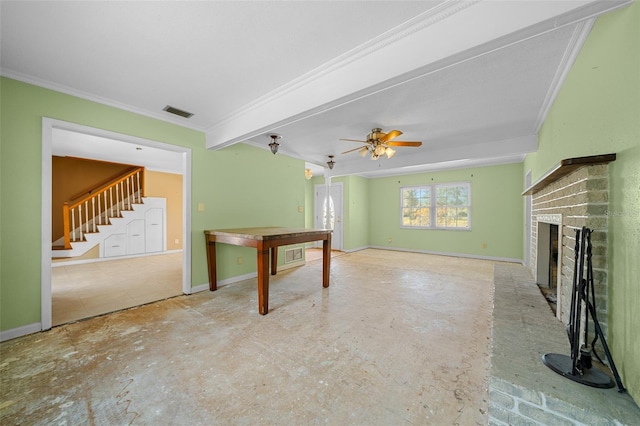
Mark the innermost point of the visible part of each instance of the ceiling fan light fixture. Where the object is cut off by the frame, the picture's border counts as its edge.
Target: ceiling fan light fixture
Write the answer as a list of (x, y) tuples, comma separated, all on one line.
[(308, 174), (379, 150), (379, 143), (274, 145), (390, 152), (375, 134)]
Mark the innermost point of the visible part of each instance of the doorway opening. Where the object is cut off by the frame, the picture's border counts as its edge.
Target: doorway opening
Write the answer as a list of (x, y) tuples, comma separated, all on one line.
[(49, 126), (328, 211)]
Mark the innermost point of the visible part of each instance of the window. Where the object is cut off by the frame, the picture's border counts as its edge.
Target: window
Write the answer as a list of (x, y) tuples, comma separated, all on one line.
[(439, 206), (452, 206), (416, 207)]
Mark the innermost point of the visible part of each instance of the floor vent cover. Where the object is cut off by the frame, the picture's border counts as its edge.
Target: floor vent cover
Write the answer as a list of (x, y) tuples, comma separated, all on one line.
[(293, 255)]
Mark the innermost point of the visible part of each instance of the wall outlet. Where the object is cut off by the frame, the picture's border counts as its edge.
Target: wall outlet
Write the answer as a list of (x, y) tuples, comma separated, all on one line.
[(176, 241), (240, 260), (390, 239), (200, 207), (300, 209), (484, 245)]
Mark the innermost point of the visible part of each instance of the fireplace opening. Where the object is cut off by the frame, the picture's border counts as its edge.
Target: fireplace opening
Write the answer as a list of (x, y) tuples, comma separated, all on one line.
[(548, 265)]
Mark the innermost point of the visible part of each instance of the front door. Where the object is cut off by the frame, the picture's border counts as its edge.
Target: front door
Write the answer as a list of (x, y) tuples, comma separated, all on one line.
[(328, 211)]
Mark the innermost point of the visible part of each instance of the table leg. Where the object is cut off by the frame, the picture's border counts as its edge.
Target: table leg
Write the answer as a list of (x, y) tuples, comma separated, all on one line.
[(263, 281), (274, 260), (326, 261), (211, 264)]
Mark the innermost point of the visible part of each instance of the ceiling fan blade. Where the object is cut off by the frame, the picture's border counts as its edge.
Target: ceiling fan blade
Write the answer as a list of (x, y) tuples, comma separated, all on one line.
[(391, 135), (403, 143), (355, 149), (353, 140)]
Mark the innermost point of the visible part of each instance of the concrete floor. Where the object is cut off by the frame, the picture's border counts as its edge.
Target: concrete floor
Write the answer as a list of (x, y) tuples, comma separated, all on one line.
[(398, 338), (525, 328)]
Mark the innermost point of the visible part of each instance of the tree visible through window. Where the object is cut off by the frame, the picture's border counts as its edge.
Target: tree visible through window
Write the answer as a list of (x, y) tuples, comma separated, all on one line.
[(452, 206), (436, 206), (416, 207)]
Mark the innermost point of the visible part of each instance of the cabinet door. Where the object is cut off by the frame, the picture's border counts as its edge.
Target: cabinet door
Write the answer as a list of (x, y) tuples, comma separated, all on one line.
[(154, 230), (135, 237), (115, 245)]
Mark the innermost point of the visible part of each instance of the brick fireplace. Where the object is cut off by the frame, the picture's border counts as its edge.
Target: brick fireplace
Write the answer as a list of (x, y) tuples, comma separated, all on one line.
[(522, 390), (572, 195)]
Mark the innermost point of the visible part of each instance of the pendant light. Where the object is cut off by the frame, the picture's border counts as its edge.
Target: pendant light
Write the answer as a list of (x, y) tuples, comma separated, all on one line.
[(274, 145)]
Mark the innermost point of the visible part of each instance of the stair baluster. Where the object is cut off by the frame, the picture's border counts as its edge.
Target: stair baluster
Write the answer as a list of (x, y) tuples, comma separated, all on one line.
[(125, 195), (73, 225)]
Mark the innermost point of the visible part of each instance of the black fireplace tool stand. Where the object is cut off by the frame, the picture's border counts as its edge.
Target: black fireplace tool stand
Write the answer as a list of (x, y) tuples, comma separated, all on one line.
[(578, 367)]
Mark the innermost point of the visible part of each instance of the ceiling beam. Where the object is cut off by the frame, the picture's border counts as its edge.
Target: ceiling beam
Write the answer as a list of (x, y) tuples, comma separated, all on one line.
[(470, 29)]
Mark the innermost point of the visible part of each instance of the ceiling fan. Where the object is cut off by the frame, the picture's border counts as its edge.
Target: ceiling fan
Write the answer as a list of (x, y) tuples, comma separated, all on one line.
[(379, 143)]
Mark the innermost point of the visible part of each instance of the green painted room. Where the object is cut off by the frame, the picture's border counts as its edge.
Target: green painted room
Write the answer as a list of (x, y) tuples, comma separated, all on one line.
[(512, 171)]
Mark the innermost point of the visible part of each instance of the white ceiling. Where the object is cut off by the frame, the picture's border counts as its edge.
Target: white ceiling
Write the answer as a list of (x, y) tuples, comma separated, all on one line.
[(66, 143), (472, 80)]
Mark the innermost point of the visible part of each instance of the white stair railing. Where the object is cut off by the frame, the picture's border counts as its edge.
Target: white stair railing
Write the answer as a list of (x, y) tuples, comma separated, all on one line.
[(101, 204)]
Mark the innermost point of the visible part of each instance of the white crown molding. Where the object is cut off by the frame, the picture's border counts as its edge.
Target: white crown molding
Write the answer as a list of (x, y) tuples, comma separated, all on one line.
[(585, 22), (367, 69), (578, 39), (8, 73), (446, 165), (445, 158), (389, 37)]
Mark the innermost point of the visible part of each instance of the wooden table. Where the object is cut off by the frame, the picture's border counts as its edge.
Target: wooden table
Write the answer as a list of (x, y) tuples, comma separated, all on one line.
[(266, 240)]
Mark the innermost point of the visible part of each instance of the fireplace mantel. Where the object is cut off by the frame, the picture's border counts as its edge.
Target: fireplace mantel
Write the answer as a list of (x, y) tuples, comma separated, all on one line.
[(565, 167)]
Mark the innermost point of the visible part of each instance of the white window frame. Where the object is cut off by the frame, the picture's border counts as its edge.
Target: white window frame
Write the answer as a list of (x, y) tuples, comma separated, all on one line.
[(433, 219), (431, 201)]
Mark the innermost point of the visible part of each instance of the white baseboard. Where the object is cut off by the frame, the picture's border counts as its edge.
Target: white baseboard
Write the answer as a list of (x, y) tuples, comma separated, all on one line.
[(205, 287), (357, 249), (20, 331), (291, 265), (469, 256), (199, 288)]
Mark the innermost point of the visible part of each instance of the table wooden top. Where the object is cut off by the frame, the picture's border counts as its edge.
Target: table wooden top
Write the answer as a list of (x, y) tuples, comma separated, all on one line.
[(267, 232)]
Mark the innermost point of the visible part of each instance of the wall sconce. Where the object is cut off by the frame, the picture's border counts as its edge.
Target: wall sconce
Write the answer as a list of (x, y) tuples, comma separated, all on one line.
[(308, 174), (274, 145), (331, 163)]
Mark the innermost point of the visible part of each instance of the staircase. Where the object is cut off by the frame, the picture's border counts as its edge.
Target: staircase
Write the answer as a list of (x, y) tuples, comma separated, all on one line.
[(110, 214)]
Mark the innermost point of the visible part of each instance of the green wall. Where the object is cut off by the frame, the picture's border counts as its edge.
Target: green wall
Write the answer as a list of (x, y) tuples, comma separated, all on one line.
[(496, 214), (597, 111), (239, 186), (355, 209), (357, 212), (372, 213)]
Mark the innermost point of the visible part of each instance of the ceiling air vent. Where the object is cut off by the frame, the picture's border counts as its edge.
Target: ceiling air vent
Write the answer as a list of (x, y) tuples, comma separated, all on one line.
[(177, 111)]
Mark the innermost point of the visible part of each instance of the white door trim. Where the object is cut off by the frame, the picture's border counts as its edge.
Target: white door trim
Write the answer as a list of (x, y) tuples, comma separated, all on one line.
[(340, 214), (48, 124)]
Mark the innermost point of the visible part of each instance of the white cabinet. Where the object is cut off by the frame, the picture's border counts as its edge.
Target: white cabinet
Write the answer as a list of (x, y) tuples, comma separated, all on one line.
[(154, 230), (138, 231), (135, 236), (115, 245)]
